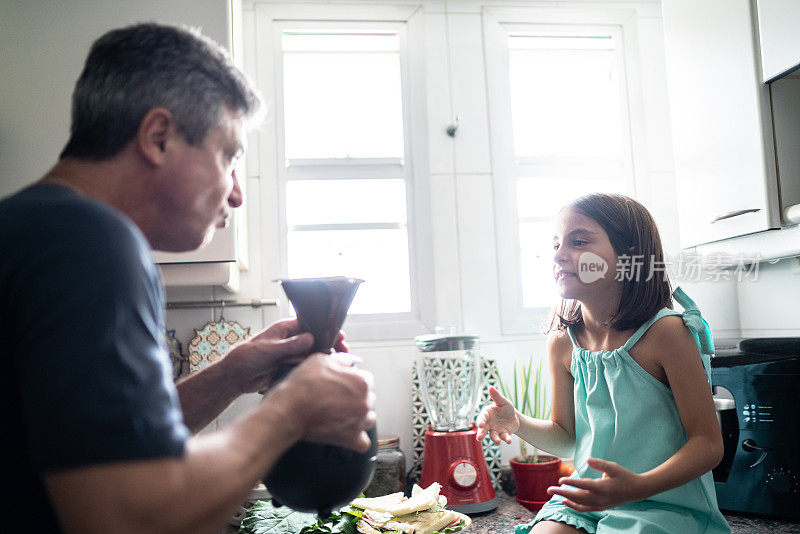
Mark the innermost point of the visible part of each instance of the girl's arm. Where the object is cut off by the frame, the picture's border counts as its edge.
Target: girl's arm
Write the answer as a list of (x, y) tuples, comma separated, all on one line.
[(680, 358), (676, 352), (556, 436)]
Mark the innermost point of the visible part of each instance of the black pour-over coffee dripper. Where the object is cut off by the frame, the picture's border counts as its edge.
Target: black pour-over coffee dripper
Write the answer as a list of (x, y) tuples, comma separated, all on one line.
[(312, 477)]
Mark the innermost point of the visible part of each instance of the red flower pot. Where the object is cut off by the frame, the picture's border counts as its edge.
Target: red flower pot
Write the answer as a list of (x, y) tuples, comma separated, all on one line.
[(533, 479)]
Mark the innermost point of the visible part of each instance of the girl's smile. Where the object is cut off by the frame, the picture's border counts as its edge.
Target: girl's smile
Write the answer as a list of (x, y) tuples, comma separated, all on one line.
[(562, 275)]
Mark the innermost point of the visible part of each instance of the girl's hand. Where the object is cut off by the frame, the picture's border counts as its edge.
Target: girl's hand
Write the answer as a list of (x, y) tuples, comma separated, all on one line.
[(617, 486), (498, 420)]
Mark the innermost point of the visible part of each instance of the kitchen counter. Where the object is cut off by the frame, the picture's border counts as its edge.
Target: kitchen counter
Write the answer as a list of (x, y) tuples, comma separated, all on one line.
[(510, 513)]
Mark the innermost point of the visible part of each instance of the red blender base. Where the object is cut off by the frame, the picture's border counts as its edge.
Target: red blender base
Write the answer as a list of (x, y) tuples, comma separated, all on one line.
[(455, 460)]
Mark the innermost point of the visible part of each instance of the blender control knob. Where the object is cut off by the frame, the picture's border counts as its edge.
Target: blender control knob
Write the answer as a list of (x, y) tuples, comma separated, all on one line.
[(463, 474)]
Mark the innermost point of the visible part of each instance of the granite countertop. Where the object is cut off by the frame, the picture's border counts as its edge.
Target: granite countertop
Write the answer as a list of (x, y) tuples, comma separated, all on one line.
[(510, 513)]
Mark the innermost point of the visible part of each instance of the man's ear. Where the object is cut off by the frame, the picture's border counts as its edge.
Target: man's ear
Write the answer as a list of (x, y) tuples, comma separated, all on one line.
[(154, 132)]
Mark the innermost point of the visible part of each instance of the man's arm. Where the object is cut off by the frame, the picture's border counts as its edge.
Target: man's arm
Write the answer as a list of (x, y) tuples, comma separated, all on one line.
[(319, 401), (247, 368)]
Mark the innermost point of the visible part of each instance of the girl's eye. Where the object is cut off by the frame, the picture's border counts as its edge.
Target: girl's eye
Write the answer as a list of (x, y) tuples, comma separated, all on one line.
[(578, 243), (555, 246)]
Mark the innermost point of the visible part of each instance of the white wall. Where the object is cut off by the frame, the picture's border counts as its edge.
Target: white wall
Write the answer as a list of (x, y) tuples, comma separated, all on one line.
[(768, 304)]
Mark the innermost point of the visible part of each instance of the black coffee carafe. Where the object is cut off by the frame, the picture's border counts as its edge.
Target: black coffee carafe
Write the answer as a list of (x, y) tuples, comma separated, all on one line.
[(312, 477)]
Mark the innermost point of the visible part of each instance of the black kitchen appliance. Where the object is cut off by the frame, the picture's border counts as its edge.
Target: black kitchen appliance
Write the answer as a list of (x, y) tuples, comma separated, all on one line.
[(760, 470)]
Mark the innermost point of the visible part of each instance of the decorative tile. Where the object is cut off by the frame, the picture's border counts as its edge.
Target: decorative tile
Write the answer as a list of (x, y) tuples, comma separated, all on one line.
[(180, 363), (213, 341)]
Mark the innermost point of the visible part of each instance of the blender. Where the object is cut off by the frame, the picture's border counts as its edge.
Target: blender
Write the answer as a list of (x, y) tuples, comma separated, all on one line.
[(449, 368), (313, 477)]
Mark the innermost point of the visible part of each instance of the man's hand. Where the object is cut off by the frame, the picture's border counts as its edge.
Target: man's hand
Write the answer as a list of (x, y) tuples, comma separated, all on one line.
[(253, 362), (330, 401), (498, 420), (617, 486)]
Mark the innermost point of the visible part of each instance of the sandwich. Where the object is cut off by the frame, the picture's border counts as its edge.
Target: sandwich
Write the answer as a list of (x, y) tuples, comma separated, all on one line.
[(424, 512)]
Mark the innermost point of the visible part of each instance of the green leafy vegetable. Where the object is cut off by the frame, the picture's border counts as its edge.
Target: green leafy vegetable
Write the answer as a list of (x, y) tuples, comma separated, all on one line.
[(264, 518)]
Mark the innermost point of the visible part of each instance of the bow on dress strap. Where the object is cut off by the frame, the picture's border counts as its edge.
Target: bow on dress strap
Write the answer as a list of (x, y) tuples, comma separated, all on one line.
[(700, 329)]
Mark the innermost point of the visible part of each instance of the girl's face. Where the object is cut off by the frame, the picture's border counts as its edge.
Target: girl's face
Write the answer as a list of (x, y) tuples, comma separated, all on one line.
[(585, 263)]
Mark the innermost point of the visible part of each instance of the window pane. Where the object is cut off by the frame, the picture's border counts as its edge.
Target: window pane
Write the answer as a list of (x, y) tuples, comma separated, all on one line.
[(345, 201), (340, 41), (544, 197), (534, 41), (340, 104), (565, 102), (536, 244), (380, 257)]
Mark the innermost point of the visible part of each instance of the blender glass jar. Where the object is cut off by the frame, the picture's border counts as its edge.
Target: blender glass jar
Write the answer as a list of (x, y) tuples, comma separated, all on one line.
[(449, 371)]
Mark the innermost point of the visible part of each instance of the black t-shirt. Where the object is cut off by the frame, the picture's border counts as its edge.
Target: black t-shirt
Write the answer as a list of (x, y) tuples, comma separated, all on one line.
[(86, 377)]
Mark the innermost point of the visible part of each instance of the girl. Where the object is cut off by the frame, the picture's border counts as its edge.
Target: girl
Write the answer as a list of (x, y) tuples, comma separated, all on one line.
[(630, 395)]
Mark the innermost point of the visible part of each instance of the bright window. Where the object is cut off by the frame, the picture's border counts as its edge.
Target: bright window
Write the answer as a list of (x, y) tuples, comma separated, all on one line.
[(342, 95), (563, 108), (567, 116), (346, 183)]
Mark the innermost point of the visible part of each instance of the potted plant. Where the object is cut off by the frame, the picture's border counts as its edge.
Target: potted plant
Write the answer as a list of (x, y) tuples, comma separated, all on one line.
[(533, 472)]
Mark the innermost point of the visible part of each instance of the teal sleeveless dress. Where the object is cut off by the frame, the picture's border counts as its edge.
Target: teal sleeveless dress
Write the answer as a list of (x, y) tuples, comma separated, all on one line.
[(625, 415)]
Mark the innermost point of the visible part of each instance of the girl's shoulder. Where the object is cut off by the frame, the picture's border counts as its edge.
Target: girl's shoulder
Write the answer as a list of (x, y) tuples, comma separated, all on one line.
[(558, 338), (559, 347), (667, 328), (666, 338)]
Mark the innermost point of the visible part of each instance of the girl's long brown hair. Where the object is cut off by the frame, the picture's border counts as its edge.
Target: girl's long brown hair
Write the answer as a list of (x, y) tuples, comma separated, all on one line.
[(628, 224)]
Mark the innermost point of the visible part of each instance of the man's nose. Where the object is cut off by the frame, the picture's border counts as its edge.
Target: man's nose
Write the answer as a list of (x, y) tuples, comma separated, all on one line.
[(236, 198)]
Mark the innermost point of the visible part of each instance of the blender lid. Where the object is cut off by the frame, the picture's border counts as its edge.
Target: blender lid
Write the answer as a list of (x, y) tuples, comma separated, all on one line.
[(439, 342)]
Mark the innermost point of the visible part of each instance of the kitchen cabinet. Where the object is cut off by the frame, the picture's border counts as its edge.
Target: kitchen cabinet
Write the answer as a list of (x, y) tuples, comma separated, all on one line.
[(778, 23), (785, 96), (725, 171), (218, 263)]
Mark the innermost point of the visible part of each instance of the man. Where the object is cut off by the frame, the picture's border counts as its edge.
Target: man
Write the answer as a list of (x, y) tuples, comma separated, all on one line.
[(102, 440)]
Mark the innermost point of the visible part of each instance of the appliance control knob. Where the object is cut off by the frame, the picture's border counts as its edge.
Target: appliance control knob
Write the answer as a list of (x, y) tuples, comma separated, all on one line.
[(463, 474), (780, 481)]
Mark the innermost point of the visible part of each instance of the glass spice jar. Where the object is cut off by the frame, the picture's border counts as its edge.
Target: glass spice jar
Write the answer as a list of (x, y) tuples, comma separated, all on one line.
[(390, 469)]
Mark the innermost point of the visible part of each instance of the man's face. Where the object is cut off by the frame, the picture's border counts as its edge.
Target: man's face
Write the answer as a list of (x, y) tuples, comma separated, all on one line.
[(201, 188)]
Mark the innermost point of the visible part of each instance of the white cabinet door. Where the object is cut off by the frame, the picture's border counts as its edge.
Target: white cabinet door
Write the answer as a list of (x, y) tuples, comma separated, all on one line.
[(779, 34), (724, 158)]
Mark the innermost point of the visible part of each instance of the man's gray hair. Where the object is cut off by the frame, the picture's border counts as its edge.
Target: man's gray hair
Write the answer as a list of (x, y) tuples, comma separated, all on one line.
[(131, 70)]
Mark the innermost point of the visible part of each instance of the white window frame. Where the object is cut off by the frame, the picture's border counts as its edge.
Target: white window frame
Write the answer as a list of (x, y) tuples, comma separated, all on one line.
[(497, 23), (269, 21)]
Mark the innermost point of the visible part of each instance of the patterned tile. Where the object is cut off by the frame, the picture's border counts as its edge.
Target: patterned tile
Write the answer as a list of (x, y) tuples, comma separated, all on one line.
[(180, 363), (213, 341)]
